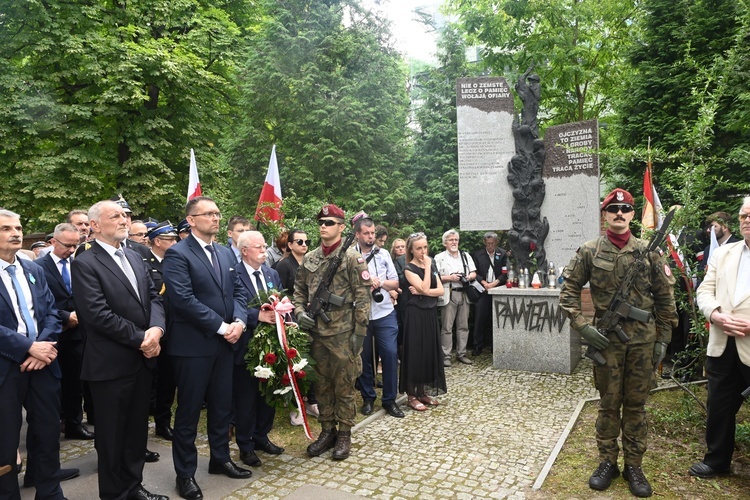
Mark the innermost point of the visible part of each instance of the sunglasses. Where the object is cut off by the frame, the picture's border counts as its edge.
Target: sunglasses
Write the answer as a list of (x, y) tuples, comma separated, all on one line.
[(613, 209), (327, 222), (303, 242)]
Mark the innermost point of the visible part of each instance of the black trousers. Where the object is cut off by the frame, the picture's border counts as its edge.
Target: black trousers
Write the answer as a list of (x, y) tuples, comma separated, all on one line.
[(70, 356), (727, 378), (253, 417), (482, 334), (121, 432), (39, 392)]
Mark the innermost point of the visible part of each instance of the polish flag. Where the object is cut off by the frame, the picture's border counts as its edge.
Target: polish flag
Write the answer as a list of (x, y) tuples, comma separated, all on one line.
[(652, 210), (194, 184), (269, 203)]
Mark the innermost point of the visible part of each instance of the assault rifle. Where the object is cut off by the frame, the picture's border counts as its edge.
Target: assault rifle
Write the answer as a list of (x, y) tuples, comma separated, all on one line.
[(619, 308), (323, 298)]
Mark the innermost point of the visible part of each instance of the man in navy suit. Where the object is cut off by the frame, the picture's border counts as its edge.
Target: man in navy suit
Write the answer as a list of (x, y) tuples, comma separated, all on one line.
[(56, 265), (253, 416), (492, 271), (207, 315), (29, 372), (123, 316)]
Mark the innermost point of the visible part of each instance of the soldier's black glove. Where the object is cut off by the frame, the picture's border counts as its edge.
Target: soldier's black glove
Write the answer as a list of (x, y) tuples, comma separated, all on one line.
[(356, 342), (305, 322), (660, 351), (593, 337)]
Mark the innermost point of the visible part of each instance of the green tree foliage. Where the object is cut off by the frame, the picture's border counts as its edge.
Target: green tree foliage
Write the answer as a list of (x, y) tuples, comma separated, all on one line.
[(322, 82), (574, 45), (689, 73), (102, 97)]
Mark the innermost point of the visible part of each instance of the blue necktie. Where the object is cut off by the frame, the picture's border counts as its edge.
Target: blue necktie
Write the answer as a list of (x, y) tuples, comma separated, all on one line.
[(66, 275), (214, 261), (25, 313)]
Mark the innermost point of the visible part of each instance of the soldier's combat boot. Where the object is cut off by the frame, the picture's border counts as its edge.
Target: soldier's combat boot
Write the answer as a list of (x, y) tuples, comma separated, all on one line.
[(603, 476), (326, 440), (343, 445), (637, 481)]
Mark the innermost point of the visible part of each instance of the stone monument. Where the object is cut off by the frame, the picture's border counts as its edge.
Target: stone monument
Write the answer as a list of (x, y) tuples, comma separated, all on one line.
[(484, 108)]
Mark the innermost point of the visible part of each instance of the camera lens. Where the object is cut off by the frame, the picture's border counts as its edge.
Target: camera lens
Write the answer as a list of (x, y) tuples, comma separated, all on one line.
[(377, 295)]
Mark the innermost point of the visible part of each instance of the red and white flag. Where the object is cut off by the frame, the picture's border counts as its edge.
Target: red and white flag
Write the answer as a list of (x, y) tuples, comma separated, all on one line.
[(651, 216), (194, 184), (269, 203)]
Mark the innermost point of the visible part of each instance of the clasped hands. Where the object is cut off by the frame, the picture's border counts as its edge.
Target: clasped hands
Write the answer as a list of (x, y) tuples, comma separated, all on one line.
[(150, 345), (731, 325), (41, 354)]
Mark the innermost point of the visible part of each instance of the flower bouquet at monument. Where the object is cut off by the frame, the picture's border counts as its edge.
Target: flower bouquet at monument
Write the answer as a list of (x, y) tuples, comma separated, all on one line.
[(278, 356)]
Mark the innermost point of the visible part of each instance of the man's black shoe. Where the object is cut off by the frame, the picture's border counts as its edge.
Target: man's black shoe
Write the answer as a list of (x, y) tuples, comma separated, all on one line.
[(142, 494), (269, 447), (151, 456), (229, 469), (250, 458), (73, 431), (188, 488), (603, 476), (393, 410), (367, 407), (704, 471), (326, 440), (63, 474), (164, 432), (637, 481), (476, 351)]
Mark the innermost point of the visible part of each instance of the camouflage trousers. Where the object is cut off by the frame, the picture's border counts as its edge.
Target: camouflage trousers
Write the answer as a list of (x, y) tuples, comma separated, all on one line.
[(337, 369), (624, 384)]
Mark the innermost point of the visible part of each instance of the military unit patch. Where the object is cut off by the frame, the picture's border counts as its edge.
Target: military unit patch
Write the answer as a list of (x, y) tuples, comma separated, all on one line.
[(365, 275)]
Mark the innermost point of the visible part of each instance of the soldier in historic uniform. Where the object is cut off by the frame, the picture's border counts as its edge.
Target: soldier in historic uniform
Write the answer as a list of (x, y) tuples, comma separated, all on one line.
[(625, 380), (336, 346)]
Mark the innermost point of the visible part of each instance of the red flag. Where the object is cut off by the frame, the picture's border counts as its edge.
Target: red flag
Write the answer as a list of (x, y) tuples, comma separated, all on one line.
[(194, 184), (269, 203), (651, 216)]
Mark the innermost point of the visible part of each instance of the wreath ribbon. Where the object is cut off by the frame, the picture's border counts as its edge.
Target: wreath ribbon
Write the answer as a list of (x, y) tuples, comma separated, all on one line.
[(281, 308)]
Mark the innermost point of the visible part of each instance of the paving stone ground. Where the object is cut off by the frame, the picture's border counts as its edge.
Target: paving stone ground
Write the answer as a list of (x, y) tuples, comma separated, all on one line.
[(489, 438)]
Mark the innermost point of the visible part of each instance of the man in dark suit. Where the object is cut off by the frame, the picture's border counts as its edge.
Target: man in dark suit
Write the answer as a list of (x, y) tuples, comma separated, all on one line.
[(207, 314), (29, 372), (253, 417), (56, 265), (124, 321), (492, 271)]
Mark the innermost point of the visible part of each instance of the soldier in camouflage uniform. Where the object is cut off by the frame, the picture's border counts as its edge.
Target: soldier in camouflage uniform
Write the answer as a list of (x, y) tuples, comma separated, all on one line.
[(625, 380), (336, 346)]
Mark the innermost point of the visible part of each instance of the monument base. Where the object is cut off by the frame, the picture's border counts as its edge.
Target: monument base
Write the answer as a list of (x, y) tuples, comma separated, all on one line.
[(531, 332)]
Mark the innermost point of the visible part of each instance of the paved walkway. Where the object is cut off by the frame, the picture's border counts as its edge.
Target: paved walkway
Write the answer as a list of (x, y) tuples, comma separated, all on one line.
[(490, 438)]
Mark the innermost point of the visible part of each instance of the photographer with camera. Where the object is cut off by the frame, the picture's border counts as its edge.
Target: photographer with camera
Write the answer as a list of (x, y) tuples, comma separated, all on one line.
[(383, 327), (456, 270)]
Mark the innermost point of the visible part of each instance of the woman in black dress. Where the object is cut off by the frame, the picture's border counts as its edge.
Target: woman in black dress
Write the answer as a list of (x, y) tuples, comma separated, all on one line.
[(422, 372)]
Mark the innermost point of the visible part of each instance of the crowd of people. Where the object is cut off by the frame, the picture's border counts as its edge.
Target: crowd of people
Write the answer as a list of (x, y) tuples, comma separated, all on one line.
[(118, 318)]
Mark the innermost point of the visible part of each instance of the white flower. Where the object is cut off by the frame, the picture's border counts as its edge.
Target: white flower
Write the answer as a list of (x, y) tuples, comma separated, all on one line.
[(298, 366), (263, 372), (283, 391)]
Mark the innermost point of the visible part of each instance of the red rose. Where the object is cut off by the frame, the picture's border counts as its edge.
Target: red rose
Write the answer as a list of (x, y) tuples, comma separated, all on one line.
[(291, 353), (270, 358), (532, 246), (285, 379), (300, 374), (263, 380)]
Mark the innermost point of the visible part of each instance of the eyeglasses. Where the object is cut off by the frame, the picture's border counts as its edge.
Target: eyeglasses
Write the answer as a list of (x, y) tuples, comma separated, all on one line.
[(613, 209), (743, 217), (138, 235), (210, 215), (72, 246), (303, 242), (327, 222), (258, 247)]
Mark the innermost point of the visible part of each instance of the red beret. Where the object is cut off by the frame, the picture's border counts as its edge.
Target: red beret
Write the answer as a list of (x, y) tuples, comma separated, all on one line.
[(618, 196), (331, 211)]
